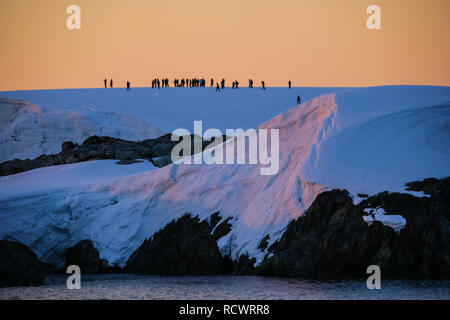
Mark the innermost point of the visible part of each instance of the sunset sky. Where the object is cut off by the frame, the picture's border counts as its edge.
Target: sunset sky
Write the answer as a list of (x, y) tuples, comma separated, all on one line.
[(312, 43)]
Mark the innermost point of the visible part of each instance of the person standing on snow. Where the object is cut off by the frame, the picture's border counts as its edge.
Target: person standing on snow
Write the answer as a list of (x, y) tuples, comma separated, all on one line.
[(290, 84), (217, 87), (298, 100), (128, 85), (263, 85), (111, 83)]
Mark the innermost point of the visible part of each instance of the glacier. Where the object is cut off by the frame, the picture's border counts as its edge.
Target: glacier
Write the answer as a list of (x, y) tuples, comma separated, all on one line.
[(365, 140)]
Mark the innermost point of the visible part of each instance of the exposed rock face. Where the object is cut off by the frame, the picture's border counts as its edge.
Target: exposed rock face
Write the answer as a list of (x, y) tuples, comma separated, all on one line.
[(161, 161), (84, 255), (19, 266), (96, 148), (93, 148), (331, 239), (184, 247), (222, 229), (244, 266)]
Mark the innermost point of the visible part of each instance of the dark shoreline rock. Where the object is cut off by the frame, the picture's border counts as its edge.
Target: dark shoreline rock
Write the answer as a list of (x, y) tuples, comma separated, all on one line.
[(332, 241), (188, 246), (86, 256), (19, 266), (183, 247)]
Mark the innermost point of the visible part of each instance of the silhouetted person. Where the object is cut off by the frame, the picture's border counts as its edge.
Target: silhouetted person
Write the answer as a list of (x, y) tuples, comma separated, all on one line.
[(298, 100), (263, 85), (111, 83), (212, 82), (223, 83), (128, 85), (290, 83), (236, 84), (105, 81), (250, 83), (217, 87)]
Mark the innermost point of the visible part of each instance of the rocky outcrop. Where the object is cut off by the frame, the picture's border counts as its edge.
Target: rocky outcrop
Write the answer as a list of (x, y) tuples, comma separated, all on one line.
[(332, 240), (95, 148), (222, 229), (188, 246), (84, 255), (184, 247), (19, 265), (244, 265)]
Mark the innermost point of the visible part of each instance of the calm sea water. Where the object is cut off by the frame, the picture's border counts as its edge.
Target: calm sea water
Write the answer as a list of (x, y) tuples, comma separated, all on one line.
[(126, 286)]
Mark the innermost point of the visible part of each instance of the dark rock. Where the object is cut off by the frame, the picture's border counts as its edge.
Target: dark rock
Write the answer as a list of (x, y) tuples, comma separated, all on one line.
[(93, 148), (222, 229), (214, 219), (161, 161), (83, 153), (19, 265), (183, 247), (167, 138), (97, 140), (96, 154), (67, 157), (84, 255), (244, 266), (430, 186), (331, 239), (68, 145), (129, 161), (264, 243), (162, 149)]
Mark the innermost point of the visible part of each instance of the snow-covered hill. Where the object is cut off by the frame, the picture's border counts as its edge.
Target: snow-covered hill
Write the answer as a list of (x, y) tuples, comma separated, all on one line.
[(172, 108), (367, 140), (27, 131)]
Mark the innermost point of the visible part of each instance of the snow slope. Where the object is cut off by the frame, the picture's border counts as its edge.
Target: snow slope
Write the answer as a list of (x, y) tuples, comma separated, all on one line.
[(367, 140), (27, 131), (383, 137), (68, 176)]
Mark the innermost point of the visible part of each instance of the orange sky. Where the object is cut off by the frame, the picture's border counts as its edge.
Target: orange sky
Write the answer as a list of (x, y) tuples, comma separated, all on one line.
[(313, 43)]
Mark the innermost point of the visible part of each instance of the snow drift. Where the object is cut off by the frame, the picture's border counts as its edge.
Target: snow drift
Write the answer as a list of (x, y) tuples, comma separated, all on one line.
[(367, 140)]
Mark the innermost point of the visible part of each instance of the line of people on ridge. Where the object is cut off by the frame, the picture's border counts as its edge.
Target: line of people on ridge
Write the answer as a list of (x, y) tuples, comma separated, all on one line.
[(193, 83), (105, 82), (156, 83)]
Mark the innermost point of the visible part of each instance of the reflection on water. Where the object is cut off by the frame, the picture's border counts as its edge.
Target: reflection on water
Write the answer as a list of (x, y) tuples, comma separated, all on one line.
[(126, 286)]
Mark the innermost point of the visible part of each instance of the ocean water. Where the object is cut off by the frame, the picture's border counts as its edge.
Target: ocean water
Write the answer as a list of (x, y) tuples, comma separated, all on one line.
[(126, 286)]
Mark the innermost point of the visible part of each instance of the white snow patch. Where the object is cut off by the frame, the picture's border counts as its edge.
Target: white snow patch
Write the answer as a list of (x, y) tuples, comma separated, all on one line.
[(396, 222)]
